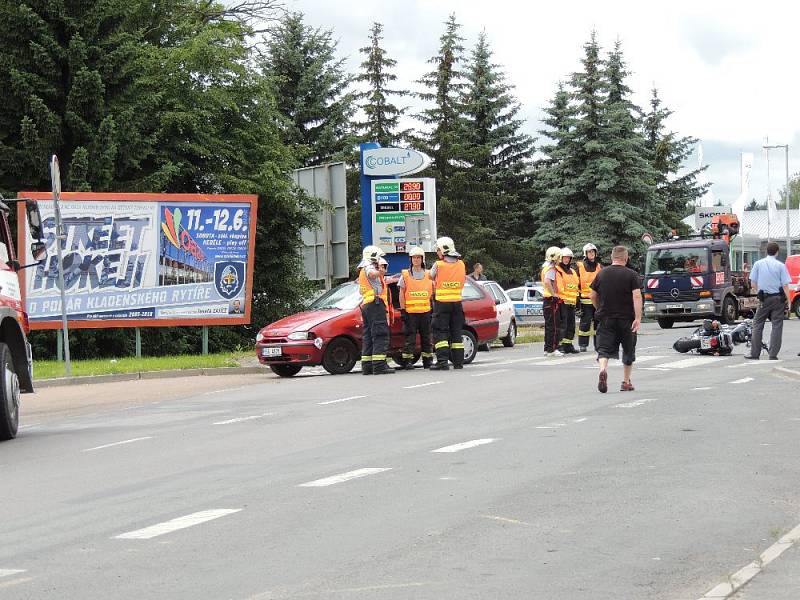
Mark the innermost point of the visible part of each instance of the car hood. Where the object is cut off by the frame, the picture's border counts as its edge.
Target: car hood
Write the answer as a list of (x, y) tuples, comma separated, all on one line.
[(302, 321)]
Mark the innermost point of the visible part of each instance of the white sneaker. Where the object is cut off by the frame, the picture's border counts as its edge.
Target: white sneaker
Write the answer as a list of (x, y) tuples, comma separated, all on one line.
[(554, 354)]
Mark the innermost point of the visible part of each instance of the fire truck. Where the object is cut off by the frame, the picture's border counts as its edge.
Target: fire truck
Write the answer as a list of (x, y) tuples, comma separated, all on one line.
[(15, 352), (691, 278)]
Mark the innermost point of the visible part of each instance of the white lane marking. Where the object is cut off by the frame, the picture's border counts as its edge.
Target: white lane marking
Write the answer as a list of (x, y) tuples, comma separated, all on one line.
[(746, 573), (566, 361), (29, 425), (341, 400), (654, 369), (8, 572), (241, 419), (489, 373), (516, 360), (700, 389), (635, 403), (697, 361), (419, 385), (505, 520), (744, 380), (553, 426), (581, 420), (754, 363), (641, 359), (139, 439), (465, 445), (334, 479), (649, 348), (225, 390), (176, 524)]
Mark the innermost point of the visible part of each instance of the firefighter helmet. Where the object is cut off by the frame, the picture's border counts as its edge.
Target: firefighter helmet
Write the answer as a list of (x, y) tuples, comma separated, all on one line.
[(588, 247), (553, 254), (372, 253), (416, 251), (566, 252), (447, 246)]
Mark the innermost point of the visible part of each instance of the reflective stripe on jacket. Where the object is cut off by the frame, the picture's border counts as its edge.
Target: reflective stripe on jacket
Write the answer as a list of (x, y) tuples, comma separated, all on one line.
[(366, 289), (450, 279), (418, 292), (567, 284)]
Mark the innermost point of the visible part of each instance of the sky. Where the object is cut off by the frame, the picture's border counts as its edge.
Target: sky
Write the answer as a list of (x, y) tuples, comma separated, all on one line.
[(723, 68)]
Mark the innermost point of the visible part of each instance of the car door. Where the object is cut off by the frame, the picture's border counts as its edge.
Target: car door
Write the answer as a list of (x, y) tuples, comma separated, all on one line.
[(535, 301), (505, 309), (517, 297)]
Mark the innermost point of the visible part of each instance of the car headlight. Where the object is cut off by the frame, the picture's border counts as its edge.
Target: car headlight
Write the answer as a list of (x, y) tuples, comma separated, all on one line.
[(298, 335), (259, 336)]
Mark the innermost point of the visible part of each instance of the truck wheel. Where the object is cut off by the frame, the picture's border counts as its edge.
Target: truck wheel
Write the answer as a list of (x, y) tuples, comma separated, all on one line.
[(9, 395), (511, 338), (666, 323), (470, 346), (285, 370), (796, 308), (729, 311), (340, 356)]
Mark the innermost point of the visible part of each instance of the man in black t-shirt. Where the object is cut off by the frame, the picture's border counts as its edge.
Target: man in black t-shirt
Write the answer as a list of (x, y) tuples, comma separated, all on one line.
[(617, 297)]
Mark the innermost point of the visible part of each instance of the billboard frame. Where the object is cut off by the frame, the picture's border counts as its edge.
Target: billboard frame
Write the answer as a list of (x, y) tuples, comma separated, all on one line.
[(244, 319)]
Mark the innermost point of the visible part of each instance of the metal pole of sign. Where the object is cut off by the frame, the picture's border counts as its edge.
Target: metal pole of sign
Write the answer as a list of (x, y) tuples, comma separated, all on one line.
[(138, 342), (55, 178), (205, 340)]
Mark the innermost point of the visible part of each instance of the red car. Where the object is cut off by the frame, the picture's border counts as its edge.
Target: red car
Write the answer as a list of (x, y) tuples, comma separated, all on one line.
[(329, 332)]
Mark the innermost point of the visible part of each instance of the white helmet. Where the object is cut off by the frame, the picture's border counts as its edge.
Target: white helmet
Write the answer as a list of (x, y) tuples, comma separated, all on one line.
[(588, 247), (382, 261), (372, 253), (566, 252), (416, 251), (447, 246), (553, 254)]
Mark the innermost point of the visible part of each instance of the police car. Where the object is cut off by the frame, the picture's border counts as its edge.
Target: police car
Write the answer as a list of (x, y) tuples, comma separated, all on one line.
[(527, 301)]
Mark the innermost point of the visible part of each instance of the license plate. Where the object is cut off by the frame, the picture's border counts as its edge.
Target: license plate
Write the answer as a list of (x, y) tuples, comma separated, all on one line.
[(705, 343), (271, 351), (669, 306)]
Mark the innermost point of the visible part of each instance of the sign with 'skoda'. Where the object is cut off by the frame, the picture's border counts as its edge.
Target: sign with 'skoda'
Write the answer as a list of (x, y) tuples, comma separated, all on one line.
[(704, 214), (144, 260)]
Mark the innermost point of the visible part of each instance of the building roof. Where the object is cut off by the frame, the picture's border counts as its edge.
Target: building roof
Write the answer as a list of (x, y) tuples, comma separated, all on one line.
[(757, 223)]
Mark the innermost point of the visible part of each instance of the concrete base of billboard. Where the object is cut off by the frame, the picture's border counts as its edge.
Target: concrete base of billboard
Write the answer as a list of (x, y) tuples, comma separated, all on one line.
[(91, 379)]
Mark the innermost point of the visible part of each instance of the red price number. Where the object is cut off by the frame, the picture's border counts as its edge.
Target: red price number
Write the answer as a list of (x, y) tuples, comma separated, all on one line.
[(411, 196), (413, 206), (410, 186)]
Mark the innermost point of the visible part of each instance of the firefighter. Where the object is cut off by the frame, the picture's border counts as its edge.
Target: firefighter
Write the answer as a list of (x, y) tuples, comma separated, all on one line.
[(374, 295), (416, 295), (587, 269), (449, 274), (550, 305), (567, 284)]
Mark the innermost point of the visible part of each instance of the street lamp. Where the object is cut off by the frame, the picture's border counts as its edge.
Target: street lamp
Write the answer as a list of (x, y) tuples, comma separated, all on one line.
[(788, 231)]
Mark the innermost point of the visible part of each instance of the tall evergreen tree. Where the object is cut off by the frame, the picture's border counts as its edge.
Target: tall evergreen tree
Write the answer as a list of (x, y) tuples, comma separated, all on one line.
[(444, 88), (678, 190), (311, 87), (487, 186), (381, 116)]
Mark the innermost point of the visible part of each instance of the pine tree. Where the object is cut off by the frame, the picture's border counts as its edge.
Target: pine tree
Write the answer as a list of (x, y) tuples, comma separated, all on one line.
[(487, 187), (444, 87), (310, 88), (677, 191), (382, 117)]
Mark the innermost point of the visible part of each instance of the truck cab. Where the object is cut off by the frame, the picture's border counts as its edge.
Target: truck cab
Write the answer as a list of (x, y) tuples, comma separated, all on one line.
[(692, 279)]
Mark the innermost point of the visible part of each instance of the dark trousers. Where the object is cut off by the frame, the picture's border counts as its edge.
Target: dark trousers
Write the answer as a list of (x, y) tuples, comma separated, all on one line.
[(588, 325), (375, 341), (552, 324), (448, 324), (567, 315), (771, 308), (414, 323)]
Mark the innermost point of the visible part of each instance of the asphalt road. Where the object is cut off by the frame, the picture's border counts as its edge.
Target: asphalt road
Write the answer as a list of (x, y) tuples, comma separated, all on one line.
[(511, 479)]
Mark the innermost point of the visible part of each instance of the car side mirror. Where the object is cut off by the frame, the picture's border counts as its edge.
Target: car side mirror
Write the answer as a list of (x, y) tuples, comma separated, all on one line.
[(38, 251), (34, 220), (497, 301)]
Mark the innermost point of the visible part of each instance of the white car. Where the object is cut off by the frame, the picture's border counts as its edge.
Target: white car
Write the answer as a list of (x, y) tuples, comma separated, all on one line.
[(528, 301), (507, 329)]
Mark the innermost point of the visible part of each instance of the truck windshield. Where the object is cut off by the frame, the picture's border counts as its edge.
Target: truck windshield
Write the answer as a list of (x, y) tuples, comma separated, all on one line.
[(677, 261), (342, 297)]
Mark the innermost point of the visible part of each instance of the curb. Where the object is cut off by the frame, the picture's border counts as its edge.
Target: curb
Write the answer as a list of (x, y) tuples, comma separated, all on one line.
[(92, 379), (784, 372)]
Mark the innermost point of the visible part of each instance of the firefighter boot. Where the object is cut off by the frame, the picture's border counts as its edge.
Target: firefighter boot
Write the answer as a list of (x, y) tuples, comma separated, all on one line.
[(381, 368)]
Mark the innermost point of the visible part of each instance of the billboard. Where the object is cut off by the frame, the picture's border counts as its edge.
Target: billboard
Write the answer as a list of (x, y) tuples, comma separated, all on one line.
[(143, 260)]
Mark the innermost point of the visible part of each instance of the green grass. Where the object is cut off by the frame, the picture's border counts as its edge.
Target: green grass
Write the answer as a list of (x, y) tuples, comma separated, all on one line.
[(530, 335), (47, 369)]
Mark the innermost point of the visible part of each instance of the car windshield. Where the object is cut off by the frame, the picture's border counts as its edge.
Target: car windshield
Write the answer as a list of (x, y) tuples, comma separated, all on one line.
[(677, 261), (342, 297)]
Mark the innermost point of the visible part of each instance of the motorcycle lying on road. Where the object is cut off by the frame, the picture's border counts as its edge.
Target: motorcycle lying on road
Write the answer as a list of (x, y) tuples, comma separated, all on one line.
[(714, 339)]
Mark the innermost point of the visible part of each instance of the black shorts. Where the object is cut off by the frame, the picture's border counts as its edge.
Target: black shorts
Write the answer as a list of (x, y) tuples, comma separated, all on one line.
[(611, 334)]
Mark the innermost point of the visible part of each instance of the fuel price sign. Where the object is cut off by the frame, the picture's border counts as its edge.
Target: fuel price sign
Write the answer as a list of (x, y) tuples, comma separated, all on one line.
[(393, 200)]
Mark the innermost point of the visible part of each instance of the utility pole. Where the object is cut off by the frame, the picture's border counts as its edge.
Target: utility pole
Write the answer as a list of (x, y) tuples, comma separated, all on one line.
[(55, 178)]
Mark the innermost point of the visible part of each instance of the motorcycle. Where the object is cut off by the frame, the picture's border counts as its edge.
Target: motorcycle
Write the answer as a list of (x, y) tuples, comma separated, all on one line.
[(714, 339)]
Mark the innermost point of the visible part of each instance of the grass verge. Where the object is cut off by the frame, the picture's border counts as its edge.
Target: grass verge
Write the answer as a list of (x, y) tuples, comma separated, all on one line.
[(530, 335), (48, 369)]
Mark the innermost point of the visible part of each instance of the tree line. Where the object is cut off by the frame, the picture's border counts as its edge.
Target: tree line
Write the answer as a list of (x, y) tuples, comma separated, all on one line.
[(197, 96)]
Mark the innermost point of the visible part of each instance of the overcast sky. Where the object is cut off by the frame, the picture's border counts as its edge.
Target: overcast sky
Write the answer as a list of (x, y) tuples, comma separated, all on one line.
[(723, 68)]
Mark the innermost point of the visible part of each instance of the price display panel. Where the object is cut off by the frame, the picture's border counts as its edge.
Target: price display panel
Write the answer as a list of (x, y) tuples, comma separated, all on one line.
[(393, 200)]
